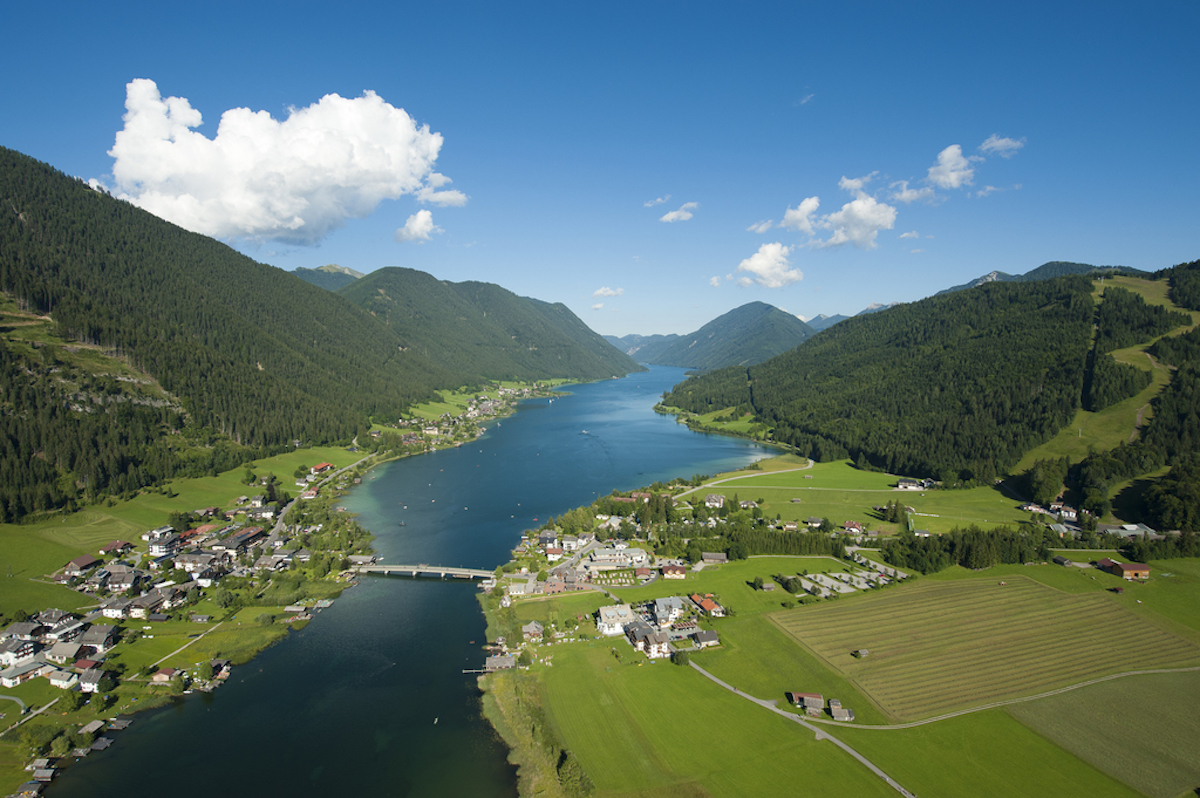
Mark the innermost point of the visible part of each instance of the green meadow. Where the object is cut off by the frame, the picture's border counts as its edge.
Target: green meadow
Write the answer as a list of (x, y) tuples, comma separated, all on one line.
[(953, 641)]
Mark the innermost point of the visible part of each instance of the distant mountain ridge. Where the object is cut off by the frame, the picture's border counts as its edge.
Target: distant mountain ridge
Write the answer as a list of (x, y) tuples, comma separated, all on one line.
[(331, 276), (1047, 271)]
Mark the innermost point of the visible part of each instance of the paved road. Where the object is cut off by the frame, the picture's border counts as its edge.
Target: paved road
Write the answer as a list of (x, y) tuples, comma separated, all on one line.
[(820, 734)]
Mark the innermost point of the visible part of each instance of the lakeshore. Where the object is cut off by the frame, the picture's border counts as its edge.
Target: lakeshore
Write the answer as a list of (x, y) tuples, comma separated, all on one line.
[(391, 632)]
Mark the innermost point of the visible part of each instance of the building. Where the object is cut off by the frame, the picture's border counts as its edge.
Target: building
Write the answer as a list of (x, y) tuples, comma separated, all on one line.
[(713, 557), (613, 619), (1131, 570), (674, 572)]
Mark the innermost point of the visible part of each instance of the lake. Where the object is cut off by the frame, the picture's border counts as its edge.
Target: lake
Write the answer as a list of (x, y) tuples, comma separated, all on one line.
[(370, 698)]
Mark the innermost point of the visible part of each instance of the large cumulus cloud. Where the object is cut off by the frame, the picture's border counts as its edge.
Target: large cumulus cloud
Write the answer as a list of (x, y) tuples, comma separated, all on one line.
[(260, 178)]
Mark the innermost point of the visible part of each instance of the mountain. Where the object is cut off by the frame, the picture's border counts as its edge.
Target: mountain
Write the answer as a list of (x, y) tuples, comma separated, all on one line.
[(821, 321), (1047, 271), (642, 348), (160, 352), (331, 277), (745, 335), (484, 330), (961, 383)]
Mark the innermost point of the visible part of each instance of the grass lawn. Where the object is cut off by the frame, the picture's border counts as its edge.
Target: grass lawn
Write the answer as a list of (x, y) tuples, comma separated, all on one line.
[(942, 646), (1118, 727), (987, 753), (660, 730)]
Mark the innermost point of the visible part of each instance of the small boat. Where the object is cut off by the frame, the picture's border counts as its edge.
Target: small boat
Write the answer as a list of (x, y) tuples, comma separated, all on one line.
[(435, 720)]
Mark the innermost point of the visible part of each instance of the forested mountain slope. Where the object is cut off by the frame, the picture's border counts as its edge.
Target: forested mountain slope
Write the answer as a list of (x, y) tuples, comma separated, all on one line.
[(745, 335), (642, 348), (485, 330), (330, 277)]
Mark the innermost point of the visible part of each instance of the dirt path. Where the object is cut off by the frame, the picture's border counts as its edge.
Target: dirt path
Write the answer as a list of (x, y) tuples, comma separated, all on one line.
[(751, 475)]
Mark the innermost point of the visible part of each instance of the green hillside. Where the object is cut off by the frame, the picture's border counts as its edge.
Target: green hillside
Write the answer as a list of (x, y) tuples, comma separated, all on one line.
[(330, 277), (484, 330), (744, 336)]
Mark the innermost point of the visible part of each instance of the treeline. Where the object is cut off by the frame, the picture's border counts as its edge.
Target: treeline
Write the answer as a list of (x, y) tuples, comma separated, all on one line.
[(1125, 319), (972, 547), (956, 386)]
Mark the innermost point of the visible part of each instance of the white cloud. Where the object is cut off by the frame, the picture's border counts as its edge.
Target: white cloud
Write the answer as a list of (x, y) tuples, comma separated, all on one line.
[(804, 100), (902, 193), (770, 267), (855, 185), (760, 227), (715, 282), (659, 201), (597, 306), (429, 192), (606, 291), (858, 223), (801, 218), (260, 178), (1004, 147), (683, 214), (917, 251), (419, 228), (910, 234), (983, 192), (952, 169)]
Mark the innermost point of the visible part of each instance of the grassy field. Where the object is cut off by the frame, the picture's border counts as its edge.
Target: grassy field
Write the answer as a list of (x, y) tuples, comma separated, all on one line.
[(660, 730), (840, 492), (1116, 726), (983, 754), (940, 647)]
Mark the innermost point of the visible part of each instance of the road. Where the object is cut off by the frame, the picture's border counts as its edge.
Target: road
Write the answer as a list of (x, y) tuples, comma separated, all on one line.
[(820, 734)]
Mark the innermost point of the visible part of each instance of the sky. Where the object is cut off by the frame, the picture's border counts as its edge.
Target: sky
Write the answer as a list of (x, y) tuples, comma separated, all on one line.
[(651, 165)]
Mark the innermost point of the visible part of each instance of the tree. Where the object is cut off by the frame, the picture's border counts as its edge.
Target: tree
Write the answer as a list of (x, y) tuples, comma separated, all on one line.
[(680, 657), (205, 672), (758, 583)]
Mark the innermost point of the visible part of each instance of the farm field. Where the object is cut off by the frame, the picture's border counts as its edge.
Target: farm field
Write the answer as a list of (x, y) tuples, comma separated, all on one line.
[(661, 730), (936, 648), (1118, 727)]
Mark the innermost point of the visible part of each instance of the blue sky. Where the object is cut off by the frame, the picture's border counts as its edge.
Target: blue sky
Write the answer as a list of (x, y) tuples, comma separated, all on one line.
[(895, 149)]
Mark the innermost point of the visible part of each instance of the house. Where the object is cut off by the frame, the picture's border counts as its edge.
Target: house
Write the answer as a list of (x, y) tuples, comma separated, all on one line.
[(553, 554), (499, 663), (813, 522), (652, 643), (15, 651), (89, 680), (163, 675), (116, 608), (63, 653), (747, 505), (841, 713), (709, 607), (63, 680), (706, 637), (1061, 560), (909, 484), (714, 557), (853, 528), (19, 674), (1131, 570), (321, 468), (65, 631), (667, 610), (122, 577), (613, 619), (555, 584), (674, 572), (101, 637), (23, 630), (116, 547), (714, 500), (570, 543), (80, 565), (532, 631), (806, 700), (165, 546)]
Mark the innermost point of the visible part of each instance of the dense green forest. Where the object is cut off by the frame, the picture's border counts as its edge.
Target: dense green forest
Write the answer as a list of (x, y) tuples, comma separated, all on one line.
[(255, 358), (956, 386), (483, 329)]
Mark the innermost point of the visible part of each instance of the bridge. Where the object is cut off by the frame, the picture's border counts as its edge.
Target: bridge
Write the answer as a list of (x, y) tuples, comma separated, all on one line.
[(425, 570)]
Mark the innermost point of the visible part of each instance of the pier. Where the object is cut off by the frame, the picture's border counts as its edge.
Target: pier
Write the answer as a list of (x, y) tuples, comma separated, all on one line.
[(441, 571)]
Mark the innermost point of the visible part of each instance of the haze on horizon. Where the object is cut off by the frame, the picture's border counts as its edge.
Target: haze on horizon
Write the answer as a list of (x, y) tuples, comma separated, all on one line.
[(650, 167)]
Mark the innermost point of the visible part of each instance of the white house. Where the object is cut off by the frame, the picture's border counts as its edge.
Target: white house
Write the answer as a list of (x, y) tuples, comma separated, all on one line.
[(611, 620)]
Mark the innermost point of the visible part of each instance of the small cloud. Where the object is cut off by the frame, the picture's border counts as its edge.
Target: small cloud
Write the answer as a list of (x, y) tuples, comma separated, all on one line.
[(902, 193), (597, 306), (801, 218), (858, 223), (659, 201), (769, 267), (910, 234), (804, 100), (760, 227), (855, 185), (1004, 147), (683, 214), (606, 291), (983, 192), (429, 192), (715, 282), (917, 251), (953, 170), (419, 228)]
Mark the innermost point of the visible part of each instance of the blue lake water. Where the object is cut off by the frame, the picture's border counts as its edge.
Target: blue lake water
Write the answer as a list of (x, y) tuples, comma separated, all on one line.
[(348, 704)]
